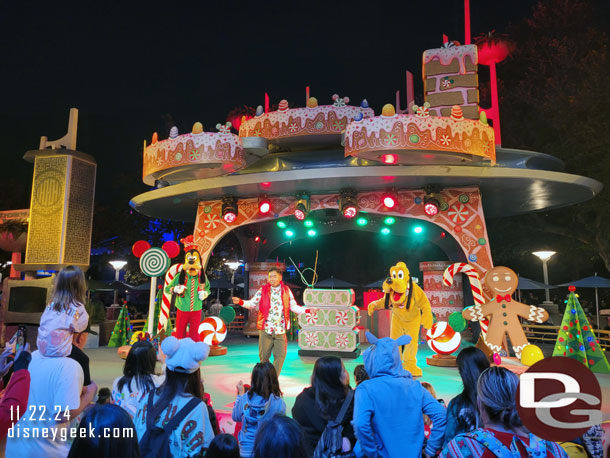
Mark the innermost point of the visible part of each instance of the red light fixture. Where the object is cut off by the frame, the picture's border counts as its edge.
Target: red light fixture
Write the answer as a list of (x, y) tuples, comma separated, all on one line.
[(350, 211), (390, 199), (347, 204), (431, 208), (264, 205), (389, 158), (229, 209), (432, 200), (301, 209), (257, 238)]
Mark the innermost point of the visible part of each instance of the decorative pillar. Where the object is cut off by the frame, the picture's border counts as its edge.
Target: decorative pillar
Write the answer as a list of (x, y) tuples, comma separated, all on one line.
[(444, 299), (257, 277)]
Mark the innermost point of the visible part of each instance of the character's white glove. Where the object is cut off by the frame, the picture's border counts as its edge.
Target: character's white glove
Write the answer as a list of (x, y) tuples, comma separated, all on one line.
[(179, 289), (203, 294)]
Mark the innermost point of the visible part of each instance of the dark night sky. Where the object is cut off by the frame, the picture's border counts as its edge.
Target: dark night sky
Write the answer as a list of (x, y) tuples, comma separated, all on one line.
[(125, 66)]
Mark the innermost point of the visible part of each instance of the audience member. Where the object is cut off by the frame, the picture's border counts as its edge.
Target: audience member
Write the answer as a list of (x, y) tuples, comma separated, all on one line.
[(322, 401), (462, 412), (360, 374), (223, 446), (15, 397), (173, 416), (389, 407), (104, 396), (503, 434), (114, 434), (262, 401), (64, 315), (427, 421), (280, 437), (138, 377), (79, 340)]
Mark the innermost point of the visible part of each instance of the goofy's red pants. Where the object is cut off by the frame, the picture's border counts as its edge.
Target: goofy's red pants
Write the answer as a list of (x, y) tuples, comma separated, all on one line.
[(193, 319)]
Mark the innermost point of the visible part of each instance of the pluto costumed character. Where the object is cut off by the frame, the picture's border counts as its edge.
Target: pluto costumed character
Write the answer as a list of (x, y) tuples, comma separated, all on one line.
[(189, 289), (410, 310)]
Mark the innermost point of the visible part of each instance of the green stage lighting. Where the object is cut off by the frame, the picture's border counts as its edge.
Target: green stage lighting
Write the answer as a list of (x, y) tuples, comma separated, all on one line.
[(308, 223), (418, 229), (289, 233), (389, 220), (281, 224), (385, 230), (362, 221), (312, 232)]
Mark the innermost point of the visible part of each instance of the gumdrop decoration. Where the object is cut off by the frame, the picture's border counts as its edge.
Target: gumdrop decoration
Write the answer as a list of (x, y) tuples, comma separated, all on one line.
[(483, 118), (260, 110), (283, 105), (456, 113), (358, 117), (312, 102), (197, 128), (173, 132), (155, 138), (364, 103), (388, 110)]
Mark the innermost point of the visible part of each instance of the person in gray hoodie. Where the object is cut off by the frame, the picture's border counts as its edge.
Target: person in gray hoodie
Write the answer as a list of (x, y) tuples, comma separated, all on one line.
[(262, 401), (389, 407)]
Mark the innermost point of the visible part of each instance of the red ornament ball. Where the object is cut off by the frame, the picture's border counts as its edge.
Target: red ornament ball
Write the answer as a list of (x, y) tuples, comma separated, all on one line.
[(591, 362), (585, 328), (171, 248), (571, 351), (140, 247), (572, 288), (561, 339), (565, 328)]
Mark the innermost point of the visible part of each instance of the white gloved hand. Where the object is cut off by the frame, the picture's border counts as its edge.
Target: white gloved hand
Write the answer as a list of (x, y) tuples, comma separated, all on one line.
[(203, 295), (179, 289)]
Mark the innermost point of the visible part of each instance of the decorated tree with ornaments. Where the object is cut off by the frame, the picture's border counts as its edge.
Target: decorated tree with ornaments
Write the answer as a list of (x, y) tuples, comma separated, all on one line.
[(577, 340), (121, 334), (168, 326)]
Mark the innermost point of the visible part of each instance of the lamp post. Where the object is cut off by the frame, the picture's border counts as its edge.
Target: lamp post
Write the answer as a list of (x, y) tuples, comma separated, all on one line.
[(544, 256), (233, 265), (118, 265)]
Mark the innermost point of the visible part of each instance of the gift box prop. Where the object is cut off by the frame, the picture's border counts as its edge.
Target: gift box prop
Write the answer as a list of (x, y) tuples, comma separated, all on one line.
[(331, 330)]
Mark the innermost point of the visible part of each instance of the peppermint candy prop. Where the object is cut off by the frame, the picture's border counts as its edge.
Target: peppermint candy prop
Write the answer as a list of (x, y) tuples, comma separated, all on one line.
[(212, 331), (153, 263)]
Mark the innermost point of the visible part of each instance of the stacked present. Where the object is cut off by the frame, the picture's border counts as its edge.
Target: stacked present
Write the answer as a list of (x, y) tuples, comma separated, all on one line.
[(331, 328)]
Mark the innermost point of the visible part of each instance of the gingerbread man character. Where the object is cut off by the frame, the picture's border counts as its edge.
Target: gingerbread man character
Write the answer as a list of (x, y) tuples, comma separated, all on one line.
[(503, 312)]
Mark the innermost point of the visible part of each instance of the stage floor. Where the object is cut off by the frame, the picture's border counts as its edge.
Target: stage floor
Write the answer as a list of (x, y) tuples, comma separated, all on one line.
[(221, 373)]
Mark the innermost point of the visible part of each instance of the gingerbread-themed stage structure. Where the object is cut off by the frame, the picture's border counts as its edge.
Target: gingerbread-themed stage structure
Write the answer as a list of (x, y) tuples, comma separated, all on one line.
[(276, 176)]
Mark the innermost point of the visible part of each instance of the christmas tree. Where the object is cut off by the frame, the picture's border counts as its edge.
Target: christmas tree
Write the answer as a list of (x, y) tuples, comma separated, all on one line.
[(121, 334), (168, 325), (577, 340)]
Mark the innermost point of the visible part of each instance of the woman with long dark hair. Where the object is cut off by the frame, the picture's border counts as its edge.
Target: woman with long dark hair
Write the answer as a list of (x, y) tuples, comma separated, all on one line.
[(262, 401), (502, 433), (138, 377), (176, 406), (462, 413), (322, 401), (115, 435), (280, 437)]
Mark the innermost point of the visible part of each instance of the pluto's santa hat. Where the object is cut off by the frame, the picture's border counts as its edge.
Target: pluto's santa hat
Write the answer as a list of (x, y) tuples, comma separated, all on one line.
[(189, 244)]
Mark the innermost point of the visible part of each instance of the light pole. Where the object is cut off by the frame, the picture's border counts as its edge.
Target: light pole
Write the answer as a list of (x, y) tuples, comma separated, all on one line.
[(233, 265), (118, 265), (544, 256)]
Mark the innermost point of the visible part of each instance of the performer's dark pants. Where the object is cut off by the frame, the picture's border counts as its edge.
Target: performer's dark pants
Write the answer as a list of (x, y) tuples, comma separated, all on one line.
[(275, 344)]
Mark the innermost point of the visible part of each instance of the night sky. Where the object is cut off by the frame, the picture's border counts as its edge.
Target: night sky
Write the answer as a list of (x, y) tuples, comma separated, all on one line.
[(126, 67)]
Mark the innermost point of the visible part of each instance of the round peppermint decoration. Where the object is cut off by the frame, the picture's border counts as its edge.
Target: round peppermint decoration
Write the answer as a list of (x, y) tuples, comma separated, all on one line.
[(154, 262)]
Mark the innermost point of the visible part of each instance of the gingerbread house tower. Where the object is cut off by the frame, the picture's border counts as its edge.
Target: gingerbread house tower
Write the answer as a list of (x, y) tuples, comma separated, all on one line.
[(451, 78)]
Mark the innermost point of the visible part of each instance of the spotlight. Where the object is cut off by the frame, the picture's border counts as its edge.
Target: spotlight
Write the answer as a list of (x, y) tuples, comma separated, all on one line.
[(418, 229), (289, 233), (308, 223), (301, 209), (257, 238), (312, 232), (362, 221), (390, 199), (281, 224), (389, 158), (264, 205), (347, 204), (389, 221), (229, 209), (432, 200), (385, 231)]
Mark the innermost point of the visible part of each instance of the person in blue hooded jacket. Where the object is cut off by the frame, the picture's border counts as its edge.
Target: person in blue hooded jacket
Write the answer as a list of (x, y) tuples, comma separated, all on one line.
[(389, 407), (256, 406)]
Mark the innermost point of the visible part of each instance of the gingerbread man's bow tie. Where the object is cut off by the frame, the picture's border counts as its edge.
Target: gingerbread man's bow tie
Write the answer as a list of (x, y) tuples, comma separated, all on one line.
[(506, 298)]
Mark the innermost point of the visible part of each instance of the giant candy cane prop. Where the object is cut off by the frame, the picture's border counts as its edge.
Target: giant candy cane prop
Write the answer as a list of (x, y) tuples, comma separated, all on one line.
[(475, 286), (167, 297)]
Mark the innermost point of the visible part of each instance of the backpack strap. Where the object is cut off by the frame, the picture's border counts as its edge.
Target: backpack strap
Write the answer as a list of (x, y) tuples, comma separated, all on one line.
[(344, 407), (182, 413)]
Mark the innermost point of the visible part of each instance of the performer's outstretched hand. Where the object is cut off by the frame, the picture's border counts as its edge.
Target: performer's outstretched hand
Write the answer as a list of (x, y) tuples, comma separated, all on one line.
[(236, 300)]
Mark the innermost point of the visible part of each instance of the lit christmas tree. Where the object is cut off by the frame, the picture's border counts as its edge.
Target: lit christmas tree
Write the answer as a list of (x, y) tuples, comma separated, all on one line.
[(577, 340), (121, 334), (168, 325)]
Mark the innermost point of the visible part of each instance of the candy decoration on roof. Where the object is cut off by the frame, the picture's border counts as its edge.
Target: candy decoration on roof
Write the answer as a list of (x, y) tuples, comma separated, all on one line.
[(340, 101), (224, 128), (173, 132), (456, 113), (197, 128), (577, 340), (283, 105), (155, 137), (358, 117), (483, 118), (312, 102), (388, 110), (364, 103), (422, 111), (260, 110)]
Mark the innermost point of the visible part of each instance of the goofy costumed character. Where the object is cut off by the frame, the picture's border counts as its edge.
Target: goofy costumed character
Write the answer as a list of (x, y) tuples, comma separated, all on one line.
[(189, 289), (410, 309)]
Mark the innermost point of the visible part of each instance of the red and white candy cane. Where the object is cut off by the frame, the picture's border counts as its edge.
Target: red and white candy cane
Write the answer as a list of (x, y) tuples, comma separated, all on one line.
[(475, 286), (167, 297)]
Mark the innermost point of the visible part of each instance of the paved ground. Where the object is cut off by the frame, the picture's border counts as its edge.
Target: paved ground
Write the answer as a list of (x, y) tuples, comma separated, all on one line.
[(221, 373)]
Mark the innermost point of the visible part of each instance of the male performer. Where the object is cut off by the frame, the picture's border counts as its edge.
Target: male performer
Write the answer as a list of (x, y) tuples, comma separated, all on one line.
[(274, 302)]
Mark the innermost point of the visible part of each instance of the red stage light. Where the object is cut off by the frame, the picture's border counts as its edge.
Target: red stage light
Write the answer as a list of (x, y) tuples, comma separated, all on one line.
[(389, 201), (431, 209), (264, 206), (389, 158), (265, 184), (350, 211), (229, 216), (257, 238), (299, 214)]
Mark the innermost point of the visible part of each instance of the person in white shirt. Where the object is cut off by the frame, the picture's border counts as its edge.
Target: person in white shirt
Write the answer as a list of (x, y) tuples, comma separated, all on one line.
[(274, 301)]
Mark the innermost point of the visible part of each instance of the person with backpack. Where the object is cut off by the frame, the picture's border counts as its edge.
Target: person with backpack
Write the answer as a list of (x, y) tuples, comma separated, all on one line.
[(389, 408), (262, 401), (280, 437), (502, 434), (172, 420), (317, 409)]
